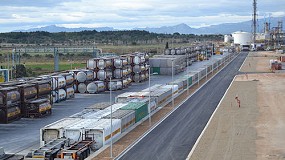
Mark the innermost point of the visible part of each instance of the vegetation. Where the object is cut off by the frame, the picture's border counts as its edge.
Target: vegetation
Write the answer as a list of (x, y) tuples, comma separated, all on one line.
[(133, 37)]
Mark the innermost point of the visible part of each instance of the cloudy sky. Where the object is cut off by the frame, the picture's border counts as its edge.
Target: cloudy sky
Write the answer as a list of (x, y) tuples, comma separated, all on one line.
[(128, 14)]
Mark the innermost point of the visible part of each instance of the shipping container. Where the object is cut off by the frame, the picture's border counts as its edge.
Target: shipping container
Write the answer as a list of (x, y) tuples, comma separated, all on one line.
[(125, 96), (174, 88), (127, 117), (9, 96), (84, 113), (152, 105), (99, 106), (10, 114), (38, 108), (101, 132), (101, 113), (140, 108), (43, 87), (55, 130), (76, 131)]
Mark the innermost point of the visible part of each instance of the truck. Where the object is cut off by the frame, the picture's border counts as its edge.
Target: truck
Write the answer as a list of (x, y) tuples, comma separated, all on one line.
[(47, 152), (77, 151)]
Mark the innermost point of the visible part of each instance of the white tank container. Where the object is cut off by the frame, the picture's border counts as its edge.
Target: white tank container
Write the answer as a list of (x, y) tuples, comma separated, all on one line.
[(89, 75), (102, 131), (95, 87), (69, 79), (118, 73), (109, 73), (118, 63), (91, 64), (112, 85), (137, 68), (101, 75), (58, 82), (82, 88), (173, 51), (167, 51), (55, 130), (137, 59), (119, 84), (242, 38), (58, 95), (69, 92), (178, 51), (125, 83), (81, 76), (101, 64)]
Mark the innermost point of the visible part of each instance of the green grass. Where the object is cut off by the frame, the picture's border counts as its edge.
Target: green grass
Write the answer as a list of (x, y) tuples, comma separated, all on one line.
[(49, 66)]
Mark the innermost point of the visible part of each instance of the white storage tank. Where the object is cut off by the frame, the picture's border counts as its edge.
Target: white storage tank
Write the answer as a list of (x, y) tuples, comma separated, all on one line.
[(242, 38), (227, 38), (96, 87), (81, 76)]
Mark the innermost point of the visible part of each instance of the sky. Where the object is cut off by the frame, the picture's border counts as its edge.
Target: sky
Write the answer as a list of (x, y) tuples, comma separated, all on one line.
[(128, 14)]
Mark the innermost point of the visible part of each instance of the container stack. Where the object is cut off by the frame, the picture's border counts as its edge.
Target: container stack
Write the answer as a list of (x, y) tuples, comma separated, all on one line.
[(10, 104), (58, 88), (139, 67), (28, 92), (162, 64), (122, 71), (82, 79), (69, 79)]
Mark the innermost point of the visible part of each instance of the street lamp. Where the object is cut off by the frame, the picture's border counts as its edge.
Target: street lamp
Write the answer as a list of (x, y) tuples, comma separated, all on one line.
[(149, 117), (187, 74), (111, 147), (172, 81)]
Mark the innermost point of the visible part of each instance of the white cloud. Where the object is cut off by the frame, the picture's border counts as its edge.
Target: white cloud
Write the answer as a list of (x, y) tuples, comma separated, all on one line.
[(130, 13)]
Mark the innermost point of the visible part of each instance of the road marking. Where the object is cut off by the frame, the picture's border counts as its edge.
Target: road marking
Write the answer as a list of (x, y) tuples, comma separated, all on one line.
[(199, 138), (159, 122), (243, 63)]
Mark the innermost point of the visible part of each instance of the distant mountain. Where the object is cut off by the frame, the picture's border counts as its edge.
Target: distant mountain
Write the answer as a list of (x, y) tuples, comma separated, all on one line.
[(181, 28), (54, 29), (225, 28)]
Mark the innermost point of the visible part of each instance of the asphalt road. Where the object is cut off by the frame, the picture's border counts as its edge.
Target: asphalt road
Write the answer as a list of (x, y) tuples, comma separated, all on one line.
[(176, 135), (24, 134)]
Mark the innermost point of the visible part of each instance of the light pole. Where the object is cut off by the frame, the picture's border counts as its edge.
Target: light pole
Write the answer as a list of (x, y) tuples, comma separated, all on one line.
[(187, 74), (172, 84), (149, 116), (111, 147)]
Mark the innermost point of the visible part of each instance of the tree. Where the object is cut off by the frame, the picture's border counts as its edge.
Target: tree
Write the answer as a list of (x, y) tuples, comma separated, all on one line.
[(21, 71)]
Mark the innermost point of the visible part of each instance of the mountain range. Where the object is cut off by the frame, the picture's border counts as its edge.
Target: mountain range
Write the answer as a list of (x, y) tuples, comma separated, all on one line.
[(225, 28)]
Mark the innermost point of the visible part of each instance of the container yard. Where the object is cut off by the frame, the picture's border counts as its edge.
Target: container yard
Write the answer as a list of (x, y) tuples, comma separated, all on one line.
[(130, 107)]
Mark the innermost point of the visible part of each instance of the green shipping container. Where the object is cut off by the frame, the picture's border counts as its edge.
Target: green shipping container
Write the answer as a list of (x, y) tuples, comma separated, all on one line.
[(140, 108), (156, 70), (190, 81)]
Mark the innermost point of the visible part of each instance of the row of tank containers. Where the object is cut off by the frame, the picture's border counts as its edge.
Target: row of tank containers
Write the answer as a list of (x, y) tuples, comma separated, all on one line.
[(129, 108), (25, 99)]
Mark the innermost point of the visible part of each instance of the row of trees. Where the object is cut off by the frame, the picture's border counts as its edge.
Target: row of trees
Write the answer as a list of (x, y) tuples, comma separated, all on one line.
[(131, 37)]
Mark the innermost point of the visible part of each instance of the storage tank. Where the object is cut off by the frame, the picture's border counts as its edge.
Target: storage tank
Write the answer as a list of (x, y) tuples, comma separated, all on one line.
[(227, 38), (173, 51), (112, 85), (242, 38), (89, 75), (96, 87), (119, 84), (167, 51), (9, 95), (10, 114), (137, 59)]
